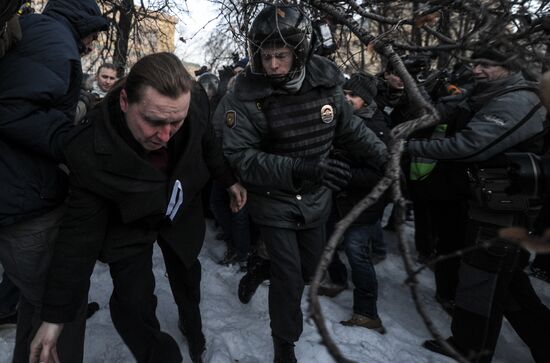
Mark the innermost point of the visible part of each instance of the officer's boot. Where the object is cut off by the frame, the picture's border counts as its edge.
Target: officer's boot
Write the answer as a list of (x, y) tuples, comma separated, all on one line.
[(258, 271), (284, 351)]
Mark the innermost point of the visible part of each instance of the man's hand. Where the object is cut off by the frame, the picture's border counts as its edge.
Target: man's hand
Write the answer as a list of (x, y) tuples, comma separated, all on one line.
[(237, 194), (44, 344)]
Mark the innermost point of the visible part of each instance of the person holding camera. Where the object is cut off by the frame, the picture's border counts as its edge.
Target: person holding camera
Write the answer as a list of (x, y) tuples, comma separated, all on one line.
[(503, 113)]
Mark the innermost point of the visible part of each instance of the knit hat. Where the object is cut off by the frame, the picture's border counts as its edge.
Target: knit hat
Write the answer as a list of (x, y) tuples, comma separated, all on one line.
[(496, 54), (363, 85)]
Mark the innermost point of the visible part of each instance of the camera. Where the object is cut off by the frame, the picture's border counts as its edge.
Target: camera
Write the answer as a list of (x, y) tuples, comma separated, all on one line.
[(324, 43), (514, 183)]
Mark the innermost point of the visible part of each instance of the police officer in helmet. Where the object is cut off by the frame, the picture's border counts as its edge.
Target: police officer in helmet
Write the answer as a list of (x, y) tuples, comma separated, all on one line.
[(286, 111)]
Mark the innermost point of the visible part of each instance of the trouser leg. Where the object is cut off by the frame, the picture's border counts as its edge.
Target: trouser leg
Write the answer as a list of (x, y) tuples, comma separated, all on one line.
[(356, 240), (482, 297), (377, 242), (133, 306), (529, 317), (25, 251), (450, 221), (424, 230), (337, 270), (185, 286), (294, 256), (9, 297), (241, 233), (219, 204)]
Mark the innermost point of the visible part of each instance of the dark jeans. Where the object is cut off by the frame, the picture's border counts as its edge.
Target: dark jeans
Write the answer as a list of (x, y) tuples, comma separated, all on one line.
[(186, 289), (356, 245), (9, 296), (294, 255), (133, 304), (235, 226), (26, 249)]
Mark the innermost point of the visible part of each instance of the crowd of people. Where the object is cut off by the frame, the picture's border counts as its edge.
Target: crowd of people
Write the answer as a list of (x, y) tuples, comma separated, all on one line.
[(277, 150)]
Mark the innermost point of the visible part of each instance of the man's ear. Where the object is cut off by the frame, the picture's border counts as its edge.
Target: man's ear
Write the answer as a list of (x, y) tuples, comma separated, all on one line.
[(123, 101)]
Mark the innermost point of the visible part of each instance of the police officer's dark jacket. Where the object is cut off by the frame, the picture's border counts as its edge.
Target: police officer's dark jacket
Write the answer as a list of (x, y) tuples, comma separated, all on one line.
[(267, 129), (119, 200), (39, 86)]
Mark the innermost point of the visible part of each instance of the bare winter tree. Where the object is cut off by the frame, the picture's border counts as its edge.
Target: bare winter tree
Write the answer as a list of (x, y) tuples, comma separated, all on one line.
[(137, 29), (139, 25), (447, 30)]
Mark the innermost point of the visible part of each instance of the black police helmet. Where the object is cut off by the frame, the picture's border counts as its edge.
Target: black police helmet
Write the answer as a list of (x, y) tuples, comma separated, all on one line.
[(280, 26)]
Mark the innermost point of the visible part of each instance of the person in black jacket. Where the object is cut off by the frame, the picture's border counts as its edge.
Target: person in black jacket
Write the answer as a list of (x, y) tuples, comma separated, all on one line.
[(40, 78), (137, 170), (364, 240), (282, 117)]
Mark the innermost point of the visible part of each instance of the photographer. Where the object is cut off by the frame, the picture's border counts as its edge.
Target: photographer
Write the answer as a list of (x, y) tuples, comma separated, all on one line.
[(504, 114)]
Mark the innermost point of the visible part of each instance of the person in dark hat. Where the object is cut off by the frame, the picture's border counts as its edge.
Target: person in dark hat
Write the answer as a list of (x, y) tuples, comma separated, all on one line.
[(239, 66), (364, 240), (502, 114)]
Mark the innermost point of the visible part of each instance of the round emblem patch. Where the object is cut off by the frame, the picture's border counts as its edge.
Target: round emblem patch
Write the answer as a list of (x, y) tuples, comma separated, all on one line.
[(327, 114), (231, 119)]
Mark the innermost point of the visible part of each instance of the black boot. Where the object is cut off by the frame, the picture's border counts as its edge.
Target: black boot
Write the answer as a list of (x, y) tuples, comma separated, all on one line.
[(284, 351), (258, 271)]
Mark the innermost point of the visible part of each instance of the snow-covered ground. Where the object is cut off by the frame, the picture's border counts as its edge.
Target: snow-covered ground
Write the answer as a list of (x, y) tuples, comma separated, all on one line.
[(240, 333)]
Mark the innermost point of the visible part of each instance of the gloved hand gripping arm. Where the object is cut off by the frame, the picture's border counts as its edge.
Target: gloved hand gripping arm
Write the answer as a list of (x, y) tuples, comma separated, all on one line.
[(331, 173)]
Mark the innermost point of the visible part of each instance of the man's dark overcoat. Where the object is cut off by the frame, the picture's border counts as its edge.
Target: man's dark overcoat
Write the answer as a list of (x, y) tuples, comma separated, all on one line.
[(118, 199)]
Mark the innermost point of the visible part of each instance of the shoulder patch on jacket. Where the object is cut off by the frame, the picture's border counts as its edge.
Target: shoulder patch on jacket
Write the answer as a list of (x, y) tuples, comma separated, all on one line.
[(231, 119)]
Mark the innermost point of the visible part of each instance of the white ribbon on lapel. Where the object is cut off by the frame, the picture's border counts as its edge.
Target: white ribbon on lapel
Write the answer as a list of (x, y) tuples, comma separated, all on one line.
[(176, 200)]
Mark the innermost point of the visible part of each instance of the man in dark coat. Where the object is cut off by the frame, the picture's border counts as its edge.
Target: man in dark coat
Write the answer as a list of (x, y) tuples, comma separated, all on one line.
[(364, 240), (137, 169), (39, 86)]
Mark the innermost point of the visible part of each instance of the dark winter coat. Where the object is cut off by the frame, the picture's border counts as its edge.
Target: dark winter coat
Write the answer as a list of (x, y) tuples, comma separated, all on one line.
[(364, 175), (275, 198), (39, 87), (118, 199)]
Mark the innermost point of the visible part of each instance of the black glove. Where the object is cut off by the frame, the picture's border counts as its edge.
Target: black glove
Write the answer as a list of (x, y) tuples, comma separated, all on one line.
[(332, 173), (88, 99)]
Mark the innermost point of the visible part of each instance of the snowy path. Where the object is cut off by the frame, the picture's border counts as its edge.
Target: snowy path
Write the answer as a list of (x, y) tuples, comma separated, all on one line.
[(240, 333)]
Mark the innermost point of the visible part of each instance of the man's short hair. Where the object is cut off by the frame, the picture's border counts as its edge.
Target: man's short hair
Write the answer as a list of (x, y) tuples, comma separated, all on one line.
[(162, 71), (106, 65)]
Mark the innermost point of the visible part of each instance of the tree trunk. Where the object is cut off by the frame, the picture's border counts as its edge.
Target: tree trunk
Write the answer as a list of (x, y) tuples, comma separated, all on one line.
[(124, 26)]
